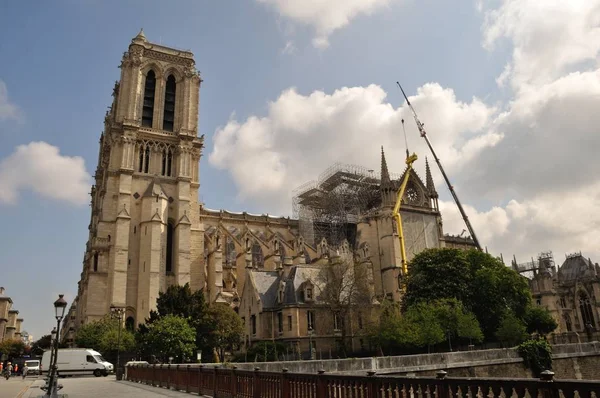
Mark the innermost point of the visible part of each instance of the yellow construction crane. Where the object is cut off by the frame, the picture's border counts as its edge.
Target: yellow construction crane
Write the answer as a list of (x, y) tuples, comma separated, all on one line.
[(410, 159)]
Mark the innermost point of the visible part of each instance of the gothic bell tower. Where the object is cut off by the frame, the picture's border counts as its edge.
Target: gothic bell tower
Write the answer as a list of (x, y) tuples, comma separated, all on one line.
[(144, 228)]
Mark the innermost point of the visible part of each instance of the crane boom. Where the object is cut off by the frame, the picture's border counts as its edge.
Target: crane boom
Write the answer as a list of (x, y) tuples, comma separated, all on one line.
[(423, 133)]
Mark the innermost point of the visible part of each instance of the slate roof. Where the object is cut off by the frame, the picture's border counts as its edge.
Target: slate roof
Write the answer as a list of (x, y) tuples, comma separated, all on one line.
[(267, 285), (576, 267)]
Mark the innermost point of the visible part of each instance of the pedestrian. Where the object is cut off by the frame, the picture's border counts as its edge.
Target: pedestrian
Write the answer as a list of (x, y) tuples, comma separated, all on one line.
[(25, 370), (16, 368), (1, 367)]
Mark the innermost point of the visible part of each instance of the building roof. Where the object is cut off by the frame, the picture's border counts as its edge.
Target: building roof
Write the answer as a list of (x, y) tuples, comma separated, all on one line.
[(267, 285), (576, 267)]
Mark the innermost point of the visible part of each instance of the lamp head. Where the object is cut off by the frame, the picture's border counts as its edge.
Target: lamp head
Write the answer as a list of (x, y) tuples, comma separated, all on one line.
[(59, 307)]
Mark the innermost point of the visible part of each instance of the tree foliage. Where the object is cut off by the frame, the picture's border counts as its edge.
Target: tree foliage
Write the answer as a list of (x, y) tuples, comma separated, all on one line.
[(484, 285), (12, 347), (265, 351), (227, 329), (511, 331), (537, 355), (41, 344), (171, 336), (103, 336), (539, 320)]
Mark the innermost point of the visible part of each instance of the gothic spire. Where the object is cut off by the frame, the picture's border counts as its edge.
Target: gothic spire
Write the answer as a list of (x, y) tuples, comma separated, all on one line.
[(386, 187), (385, 174), (429, 181)]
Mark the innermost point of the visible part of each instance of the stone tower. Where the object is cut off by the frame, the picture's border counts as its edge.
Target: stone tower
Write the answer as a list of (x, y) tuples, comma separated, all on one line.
[(421, 223), (144, 231)]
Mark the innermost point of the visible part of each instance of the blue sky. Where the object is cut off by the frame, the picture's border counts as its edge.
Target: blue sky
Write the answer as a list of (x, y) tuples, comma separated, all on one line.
[(59, 60)]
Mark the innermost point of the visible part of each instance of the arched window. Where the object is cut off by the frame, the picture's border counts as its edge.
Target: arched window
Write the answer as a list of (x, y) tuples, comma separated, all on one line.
[(130, 323), (585, 307), (568, 322), (169, 111), (169, 263), (141, 160), (230, 252), (167, 160), (96, 262), (146, 159), (148, 108), (257, 255)]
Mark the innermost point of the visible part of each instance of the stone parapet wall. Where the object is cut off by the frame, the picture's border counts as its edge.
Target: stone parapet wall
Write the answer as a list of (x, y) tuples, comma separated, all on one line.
[(571, 361)]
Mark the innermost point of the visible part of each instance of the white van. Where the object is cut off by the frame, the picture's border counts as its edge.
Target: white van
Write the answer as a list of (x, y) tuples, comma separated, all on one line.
[(78, 361), (33, 366)]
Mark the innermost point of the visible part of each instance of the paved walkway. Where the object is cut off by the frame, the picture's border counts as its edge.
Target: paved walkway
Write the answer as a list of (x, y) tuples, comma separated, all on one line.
[(91, 387), (15, 386)]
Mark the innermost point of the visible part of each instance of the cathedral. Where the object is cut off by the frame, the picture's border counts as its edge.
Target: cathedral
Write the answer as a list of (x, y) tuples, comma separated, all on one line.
[(148, 230)]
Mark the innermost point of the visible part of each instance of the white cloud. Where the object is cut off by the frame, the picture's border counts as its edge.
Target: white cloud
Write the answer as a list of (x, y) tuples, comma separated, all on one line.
[(552, 221), (325, 16), (549, 37), (304, 134), (7, 109), (39, 167)]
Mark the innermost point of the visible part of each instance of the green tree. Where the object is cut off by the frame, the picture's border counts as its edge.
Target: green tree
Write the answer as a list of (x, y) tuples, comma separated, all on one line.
[(40, 345), (12, 348), (171, 336), (90, 335), (511, 331), (537, 355), (181, 301), (438, 274), (484, 285), (539, 320), (227, 329), (392, 333), (110, 342), (265, 351), (421, 326), (469, 328)]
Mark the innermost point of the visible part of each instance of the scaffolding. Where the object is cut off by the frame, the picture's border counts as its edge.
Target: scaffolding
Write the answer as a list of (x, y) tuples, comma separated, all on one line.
[(545, 261), (331, 206)]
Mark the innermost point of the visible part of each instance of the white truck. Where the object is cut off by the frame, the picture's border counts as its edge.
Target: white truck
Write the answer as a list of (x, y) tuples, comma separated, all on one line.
[(77, 361)]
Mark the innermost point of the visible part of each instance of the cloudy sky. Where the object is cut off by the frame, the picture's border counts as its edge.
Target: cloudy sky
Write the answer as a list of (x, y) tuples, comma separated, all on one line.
[(509, 91)]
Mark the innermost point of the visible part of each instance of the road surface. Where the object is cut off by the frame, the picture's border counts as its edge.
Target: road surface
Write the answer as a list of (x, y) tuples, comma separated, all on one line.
[(86, 387)]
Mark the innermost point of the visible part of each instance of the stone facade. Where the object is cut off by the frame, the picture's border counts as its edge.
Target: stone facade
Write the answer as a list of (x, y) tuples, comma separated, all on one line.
[(144, 202), (147, 230), (10, 323), (571, 293)]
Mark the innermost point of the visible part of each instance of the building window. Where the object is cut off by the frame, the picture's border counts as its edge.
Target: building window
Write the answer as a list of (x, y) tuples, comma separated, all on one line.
[(253, 324), (144, 159), (257, 255), (309, 293), (290, 327), (538, 302), (148, 108), (563, 302), (310, 320), (337, 321), (568, 322), (96, 262), (169, 111), (587, 314), (360, 321), (280, 322), (167, 162), (169, 262), (130, 324)]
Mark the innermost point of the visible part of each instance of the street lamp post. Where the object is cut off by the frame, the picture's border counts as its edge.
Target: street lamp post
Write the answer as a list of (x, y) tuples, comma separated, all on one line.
[(52, 338), (59, 312), (117, 312)]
